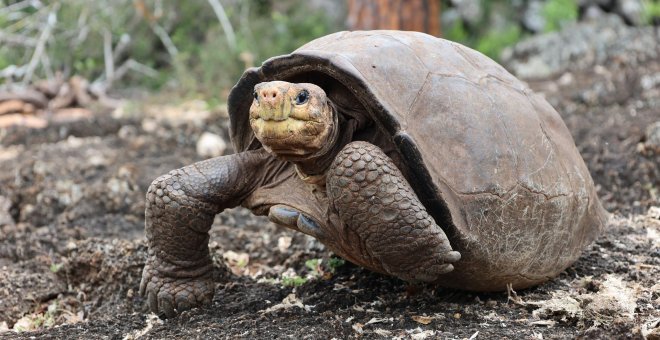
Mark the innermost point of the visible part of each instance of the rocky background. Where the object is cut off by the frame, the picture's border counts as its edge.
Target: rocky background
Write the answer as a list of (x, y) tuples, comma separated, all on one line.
[(72, 211)]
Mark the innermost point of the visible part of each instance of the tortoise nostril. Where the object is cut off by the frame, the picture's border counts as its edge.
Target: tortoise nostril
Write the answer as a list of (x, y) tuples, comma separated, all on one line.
[(266, 94)]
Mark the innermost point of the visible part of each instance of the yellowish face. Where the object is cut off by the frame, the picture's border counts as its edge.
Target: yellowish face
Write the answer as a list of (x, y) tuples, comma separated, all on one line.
[(291, 120)]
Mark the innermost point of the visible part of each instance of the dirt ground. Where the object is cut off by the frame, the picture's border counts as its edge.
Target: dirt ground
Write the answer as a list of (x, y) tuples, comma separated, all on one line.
[(72, 246)]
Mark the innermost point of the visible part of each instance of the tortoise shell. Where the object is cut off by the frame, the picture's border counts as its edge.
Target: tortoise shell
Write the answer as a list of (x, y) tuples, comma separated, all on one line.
[(492, 162)]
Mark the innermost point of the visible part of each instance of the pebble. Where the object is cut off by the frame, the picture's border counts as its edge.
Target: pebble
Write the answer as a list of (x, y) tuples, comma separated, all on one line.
[(210, 145), (653, 135)]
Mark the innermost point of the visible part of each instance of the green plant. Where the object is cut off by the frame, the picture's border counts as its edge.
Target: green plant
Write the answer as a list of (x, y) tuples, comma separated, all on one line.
[(457, 32), (495, 41), (335, 262), (46, 319), (314, 266), (496, 29), (55, 267), (210, 65), (295, 281), (559, 12), (651, 10), (182, 45)]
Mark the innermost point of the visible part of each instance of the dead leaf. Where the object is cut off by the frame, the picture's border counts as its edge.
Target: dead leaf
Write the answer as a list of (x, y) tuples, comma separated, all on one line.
[(378, 320), (288, 302), (614, 298), (419, 334), (548, 323), (561, 304), (651, 329), (358, 327), (382, 332), (423, 319)]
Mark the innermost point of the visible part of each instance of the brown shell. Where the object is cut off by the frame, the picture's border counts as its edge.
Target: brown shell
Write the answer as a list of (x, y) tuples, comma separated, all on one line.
[(492, 161)]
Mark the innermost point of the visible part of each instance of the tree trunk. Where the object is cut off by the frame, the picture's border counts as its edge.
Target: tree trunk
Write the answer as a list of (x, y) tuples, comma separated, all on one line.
[(408, 15)]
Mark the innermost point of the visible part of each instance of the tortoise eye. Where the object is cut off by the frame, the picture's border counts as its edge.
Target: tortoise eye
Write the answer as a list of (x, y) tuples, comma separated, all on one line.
[(302, 97)]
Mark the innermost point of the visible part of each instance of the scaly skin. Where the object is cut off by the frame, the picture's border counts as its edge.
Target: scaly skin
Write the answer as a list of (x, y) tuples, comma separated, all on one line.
[(389, 228), (381, 224), (180, 208)]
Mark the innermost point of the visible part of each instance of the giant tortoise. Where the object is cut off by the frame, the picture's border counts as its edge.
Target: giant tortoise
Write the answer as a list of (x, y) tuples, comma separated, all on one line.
[(404, 153)]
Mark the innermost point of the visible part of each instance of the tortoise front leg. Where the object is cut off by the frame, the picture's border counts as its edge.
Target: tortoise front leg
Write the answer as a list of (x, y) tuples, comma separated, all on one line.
[(180, 209), (388, 228)]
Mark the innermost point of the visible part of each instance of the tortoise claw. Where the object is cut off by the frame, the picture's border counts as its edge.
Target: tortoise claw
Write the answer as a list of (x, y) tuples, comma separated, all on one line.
[(452, 256), (284, 215), (293, 218), (308, 225)]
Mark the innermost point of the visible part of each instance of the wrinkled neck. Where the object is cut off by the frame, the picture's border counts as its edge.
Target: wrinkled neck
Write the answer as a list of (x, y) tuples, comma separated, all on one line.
[(318, 163)]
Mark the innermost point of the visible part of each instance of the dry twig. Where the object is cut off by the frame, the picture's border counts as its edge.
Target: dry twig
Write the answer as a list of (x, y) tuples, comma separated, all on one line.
[(41, 43), (224, 21)]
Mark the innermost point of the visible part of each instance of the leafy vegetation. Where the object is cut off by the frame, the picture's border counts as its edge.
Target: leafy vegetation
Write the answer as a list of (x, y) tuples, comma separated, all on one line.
[(316, 269), (294, 281), (498, 26), (201, 48), (651, 11), (196, 48), (559, 12)]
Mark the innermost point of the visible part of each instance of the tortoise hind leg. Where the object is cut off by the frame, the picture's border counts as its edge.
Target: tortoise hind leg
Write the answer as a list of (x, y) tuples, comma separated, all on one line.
[(389, 229)]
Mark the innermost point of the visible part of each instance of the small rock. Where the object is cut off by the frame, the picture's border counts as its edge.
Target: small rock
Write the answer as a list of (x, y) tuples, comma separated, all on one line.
[(653, 136), (593, 13), (566, 79), (650, 81), (283, 243), (149, 125), (210, 145), (127, 132), (71, 245), (631, 10), (469, 10), (5, 215), (533, 19)]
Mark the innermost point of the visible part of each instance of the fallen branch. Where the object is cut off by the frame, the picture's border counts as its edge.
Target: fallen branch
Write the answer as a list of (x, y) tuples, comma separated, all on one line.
[(27, 95)]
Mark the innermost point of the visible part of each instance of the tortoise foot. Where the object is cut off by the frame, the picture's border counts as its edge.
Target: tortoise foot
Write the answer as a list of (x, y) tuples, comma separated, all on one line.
[(389, 228), (169, 295)]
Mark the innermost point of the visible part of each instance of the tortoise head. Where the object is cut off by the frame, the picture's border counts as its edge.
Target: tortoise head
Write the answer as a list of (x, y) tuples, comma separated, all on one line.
[(293, 121)]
